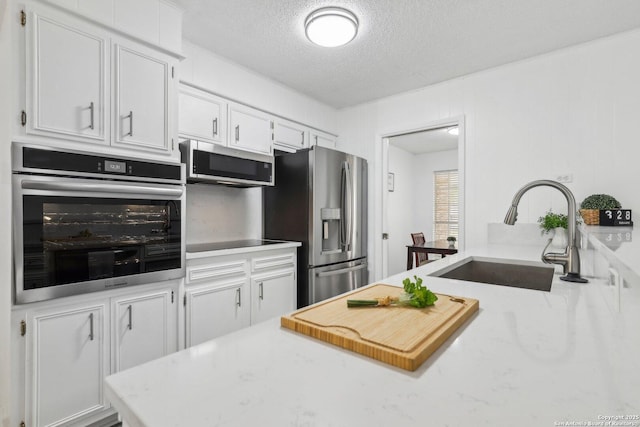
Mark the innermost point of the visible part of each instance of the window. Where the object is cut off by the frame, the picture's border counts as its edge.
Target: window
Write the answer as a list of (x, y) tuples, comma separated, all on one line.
[(445, 215)]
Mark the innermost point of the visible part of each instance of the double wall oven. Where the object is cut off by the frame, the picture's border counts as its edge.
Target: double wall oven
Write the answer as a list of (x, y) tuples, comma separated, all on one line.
[(85, 222)]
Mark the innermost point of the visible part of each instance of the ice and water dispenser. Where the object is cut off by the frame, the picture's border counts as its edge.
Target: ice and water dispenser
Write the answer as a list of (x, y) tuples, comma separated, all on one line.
[(330, 230)]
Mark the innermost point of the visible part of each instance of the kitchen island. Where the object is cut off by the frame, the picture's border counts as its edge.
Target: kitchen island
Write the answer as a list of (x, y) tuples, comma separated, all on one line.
[(527, 358)]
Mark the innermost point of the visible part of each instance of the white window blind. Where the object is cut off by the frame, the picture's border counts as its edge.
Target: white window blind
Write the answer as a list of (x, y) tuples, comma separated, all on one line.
[(445, 213)]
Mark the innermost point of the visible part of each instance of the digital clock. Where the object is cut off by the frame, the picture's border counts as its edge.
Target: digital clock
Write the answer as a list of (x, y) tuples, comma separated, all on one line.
[(615, 217)]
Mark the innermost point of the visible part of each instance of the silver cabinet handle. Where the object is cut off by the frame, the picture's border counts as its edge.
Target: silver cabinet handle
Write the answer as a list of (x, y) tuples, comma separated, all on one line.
[(302, 138), (237, 133), (130, 326), (238, 297), (215, 127), (260, 291), (92, 111), (91, 326), (130, 117)]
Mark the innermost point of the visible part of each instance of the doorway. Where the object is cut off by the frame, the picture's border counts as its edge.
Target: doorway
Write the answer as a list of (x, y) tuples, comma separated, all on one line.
[(411, 161)]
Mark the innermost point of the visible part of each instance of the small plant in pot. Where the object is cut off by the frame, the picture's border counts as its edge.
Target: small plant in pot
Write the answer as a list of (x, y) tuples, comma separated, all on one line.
[(591, 206), (451, 240), (557, 223), (551, 221)]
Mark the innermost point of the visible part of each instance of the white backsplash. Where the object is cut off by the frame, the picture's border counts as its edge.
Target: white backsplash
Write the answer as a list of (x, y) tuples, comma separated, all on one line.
[(518, 234), (216, 213)]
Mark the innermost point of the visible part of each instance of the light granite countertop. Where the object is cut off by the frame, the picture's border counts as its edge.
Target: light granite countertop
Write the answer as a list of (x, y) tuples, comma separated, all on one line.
[(527, 358), (205, 250), (619, 245)]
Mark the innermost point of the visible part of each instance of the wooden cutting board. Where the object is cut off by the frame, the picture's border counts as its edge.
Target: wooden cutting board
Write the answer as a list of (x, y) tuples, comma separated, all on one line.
[(400, 336)]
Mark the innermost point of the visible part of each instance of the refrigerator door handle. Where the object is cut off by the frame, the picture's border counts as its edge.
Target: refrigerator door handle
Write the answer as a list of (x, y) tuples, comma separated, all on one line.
[(342, 217), (350, 196), (346, 209), (341, 271)]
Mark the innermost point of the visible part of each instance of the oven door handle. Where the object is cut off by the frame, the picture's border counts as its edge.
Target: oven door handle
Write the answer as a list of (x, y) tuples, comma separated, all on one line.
[(101, 188)]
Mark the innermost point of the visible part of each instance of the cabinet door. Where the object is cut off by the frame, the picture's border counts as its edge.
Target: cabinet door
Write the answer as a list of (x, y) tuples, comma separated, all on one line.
[(272, 294), (68, 355), (142, 102), (323, 139), (288, 135), (144, 328), (250, 129), (215, 310), (202, 116), (67, 79)]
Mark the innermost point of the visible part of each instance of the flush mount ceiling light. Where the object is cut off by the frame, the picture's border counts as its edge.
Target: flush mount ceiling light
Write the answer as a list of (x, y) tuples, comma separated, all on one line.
[(331, 26), (453, 131)]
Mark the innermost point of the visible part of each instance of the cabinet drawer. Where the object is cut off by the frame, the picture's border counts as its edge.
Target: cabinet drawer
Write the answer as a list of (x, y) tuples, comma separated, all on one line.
[(215, 271), (273, 261)]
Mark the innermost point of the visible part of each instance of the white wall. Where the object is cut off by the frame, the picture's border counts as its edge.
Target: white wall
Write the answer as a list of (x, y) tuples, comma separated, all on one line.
[(571, 111), (6, 112), (400, 208), (208, 71), (216, 213)]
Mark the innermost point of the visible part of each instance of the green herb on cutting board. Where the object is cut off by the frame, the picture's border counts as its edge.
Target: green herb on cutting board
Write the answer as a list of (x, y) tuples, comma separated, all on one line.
[(414, 295)]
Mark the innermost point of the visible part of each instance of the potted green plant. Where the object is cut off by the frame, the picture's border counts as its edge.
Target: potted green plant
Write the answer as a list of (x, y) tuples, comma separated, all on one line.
[(551, 221), (557, 223), (452, 240), (591, 206)]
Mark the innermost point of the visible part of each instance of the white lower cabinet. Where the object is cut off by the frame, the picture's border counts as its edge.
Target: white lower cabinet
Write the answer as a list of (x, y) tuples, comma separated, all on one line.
[(68, 359), (145, 328), (216, 309), (271, 294), (230, 292), (64, 350)]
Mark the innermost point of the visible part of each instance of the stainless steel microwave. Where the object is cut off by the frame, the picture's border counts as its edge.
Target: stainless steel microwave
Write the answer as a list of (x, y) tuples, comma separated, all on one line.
[(207, 162)]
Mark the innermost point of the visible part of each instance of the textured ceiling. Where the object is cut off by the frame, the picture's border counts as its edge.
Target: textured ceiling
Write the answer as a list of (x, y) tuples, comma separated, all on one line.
[(401, 44)]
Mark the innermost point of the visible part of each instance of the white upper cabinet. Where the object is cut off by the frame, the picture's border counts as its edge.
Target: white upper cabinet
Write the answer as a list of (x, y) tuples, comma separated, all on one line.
[(85, 84), (322, 139), (67, 83), (250, 129), (202, 116), (142, 80), (290, 136)]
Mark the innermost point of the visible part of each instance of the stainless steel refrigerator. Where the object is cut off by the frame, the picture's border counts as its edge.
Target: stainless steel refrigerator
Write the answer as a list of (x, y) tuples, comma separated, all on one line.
[(320, 199)]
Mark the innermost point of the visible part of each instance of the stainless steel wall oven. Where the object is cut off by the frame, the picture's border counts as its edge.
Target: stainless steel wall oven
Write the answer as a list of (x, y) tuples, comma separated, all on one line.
[(85, 222)]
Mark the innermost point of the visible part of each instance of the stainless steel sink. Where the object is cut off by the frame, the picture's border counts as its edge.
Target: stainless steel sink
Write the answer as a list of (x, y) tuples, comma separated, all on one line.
[(519, 274)]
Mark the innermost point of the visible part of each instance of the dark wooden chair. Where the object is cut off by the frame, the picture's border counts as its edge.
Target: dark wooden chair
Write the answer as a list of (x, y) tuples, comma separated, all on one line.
[(421, 257)]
